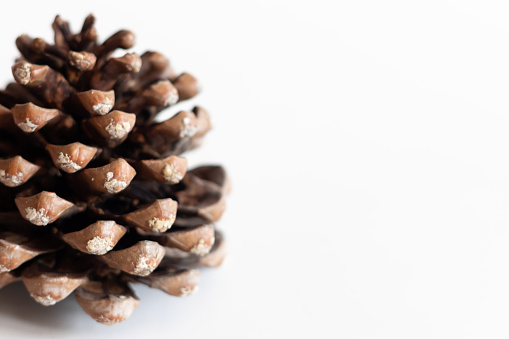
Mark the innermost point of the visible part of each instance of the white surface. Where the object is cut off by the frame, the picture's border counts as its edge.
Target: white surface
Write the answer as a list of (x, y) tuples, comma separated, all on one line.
[(368, 145)]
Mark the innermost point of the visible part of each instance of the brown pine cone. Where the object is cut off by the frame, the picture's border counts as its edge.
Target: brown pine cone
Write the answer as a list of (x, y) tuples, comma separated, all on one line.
[(95, 194)]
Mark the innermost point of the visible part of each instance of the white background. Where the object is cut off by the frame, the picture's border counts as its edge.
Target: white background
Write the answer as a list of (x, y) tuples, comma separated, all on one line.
[(368, 146)]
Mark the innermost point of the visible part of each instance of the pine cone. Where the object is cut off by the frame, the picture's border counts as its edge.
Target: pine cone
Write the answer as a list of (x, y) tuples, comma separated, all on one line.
[(95, 194)]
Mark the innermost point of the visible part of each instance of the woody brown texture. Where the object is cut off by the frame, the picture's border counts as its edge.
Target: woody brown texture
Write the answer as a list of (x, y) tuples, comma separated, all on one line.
[(95, 194)]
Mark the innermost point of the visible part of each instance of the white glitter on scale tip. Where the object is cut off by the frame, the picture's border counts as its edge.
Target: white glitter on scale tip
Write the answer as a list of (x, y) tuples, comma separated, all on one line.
[(103, 107), (64, 160), (171, 175), (37, 217), (188, 130), (200, 248), (45, 300), (142, 267), (113, 185), (118, 130), (28, 126), (23, 74), (11, 180), (161, 225), (188, 290), (99, 245)]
